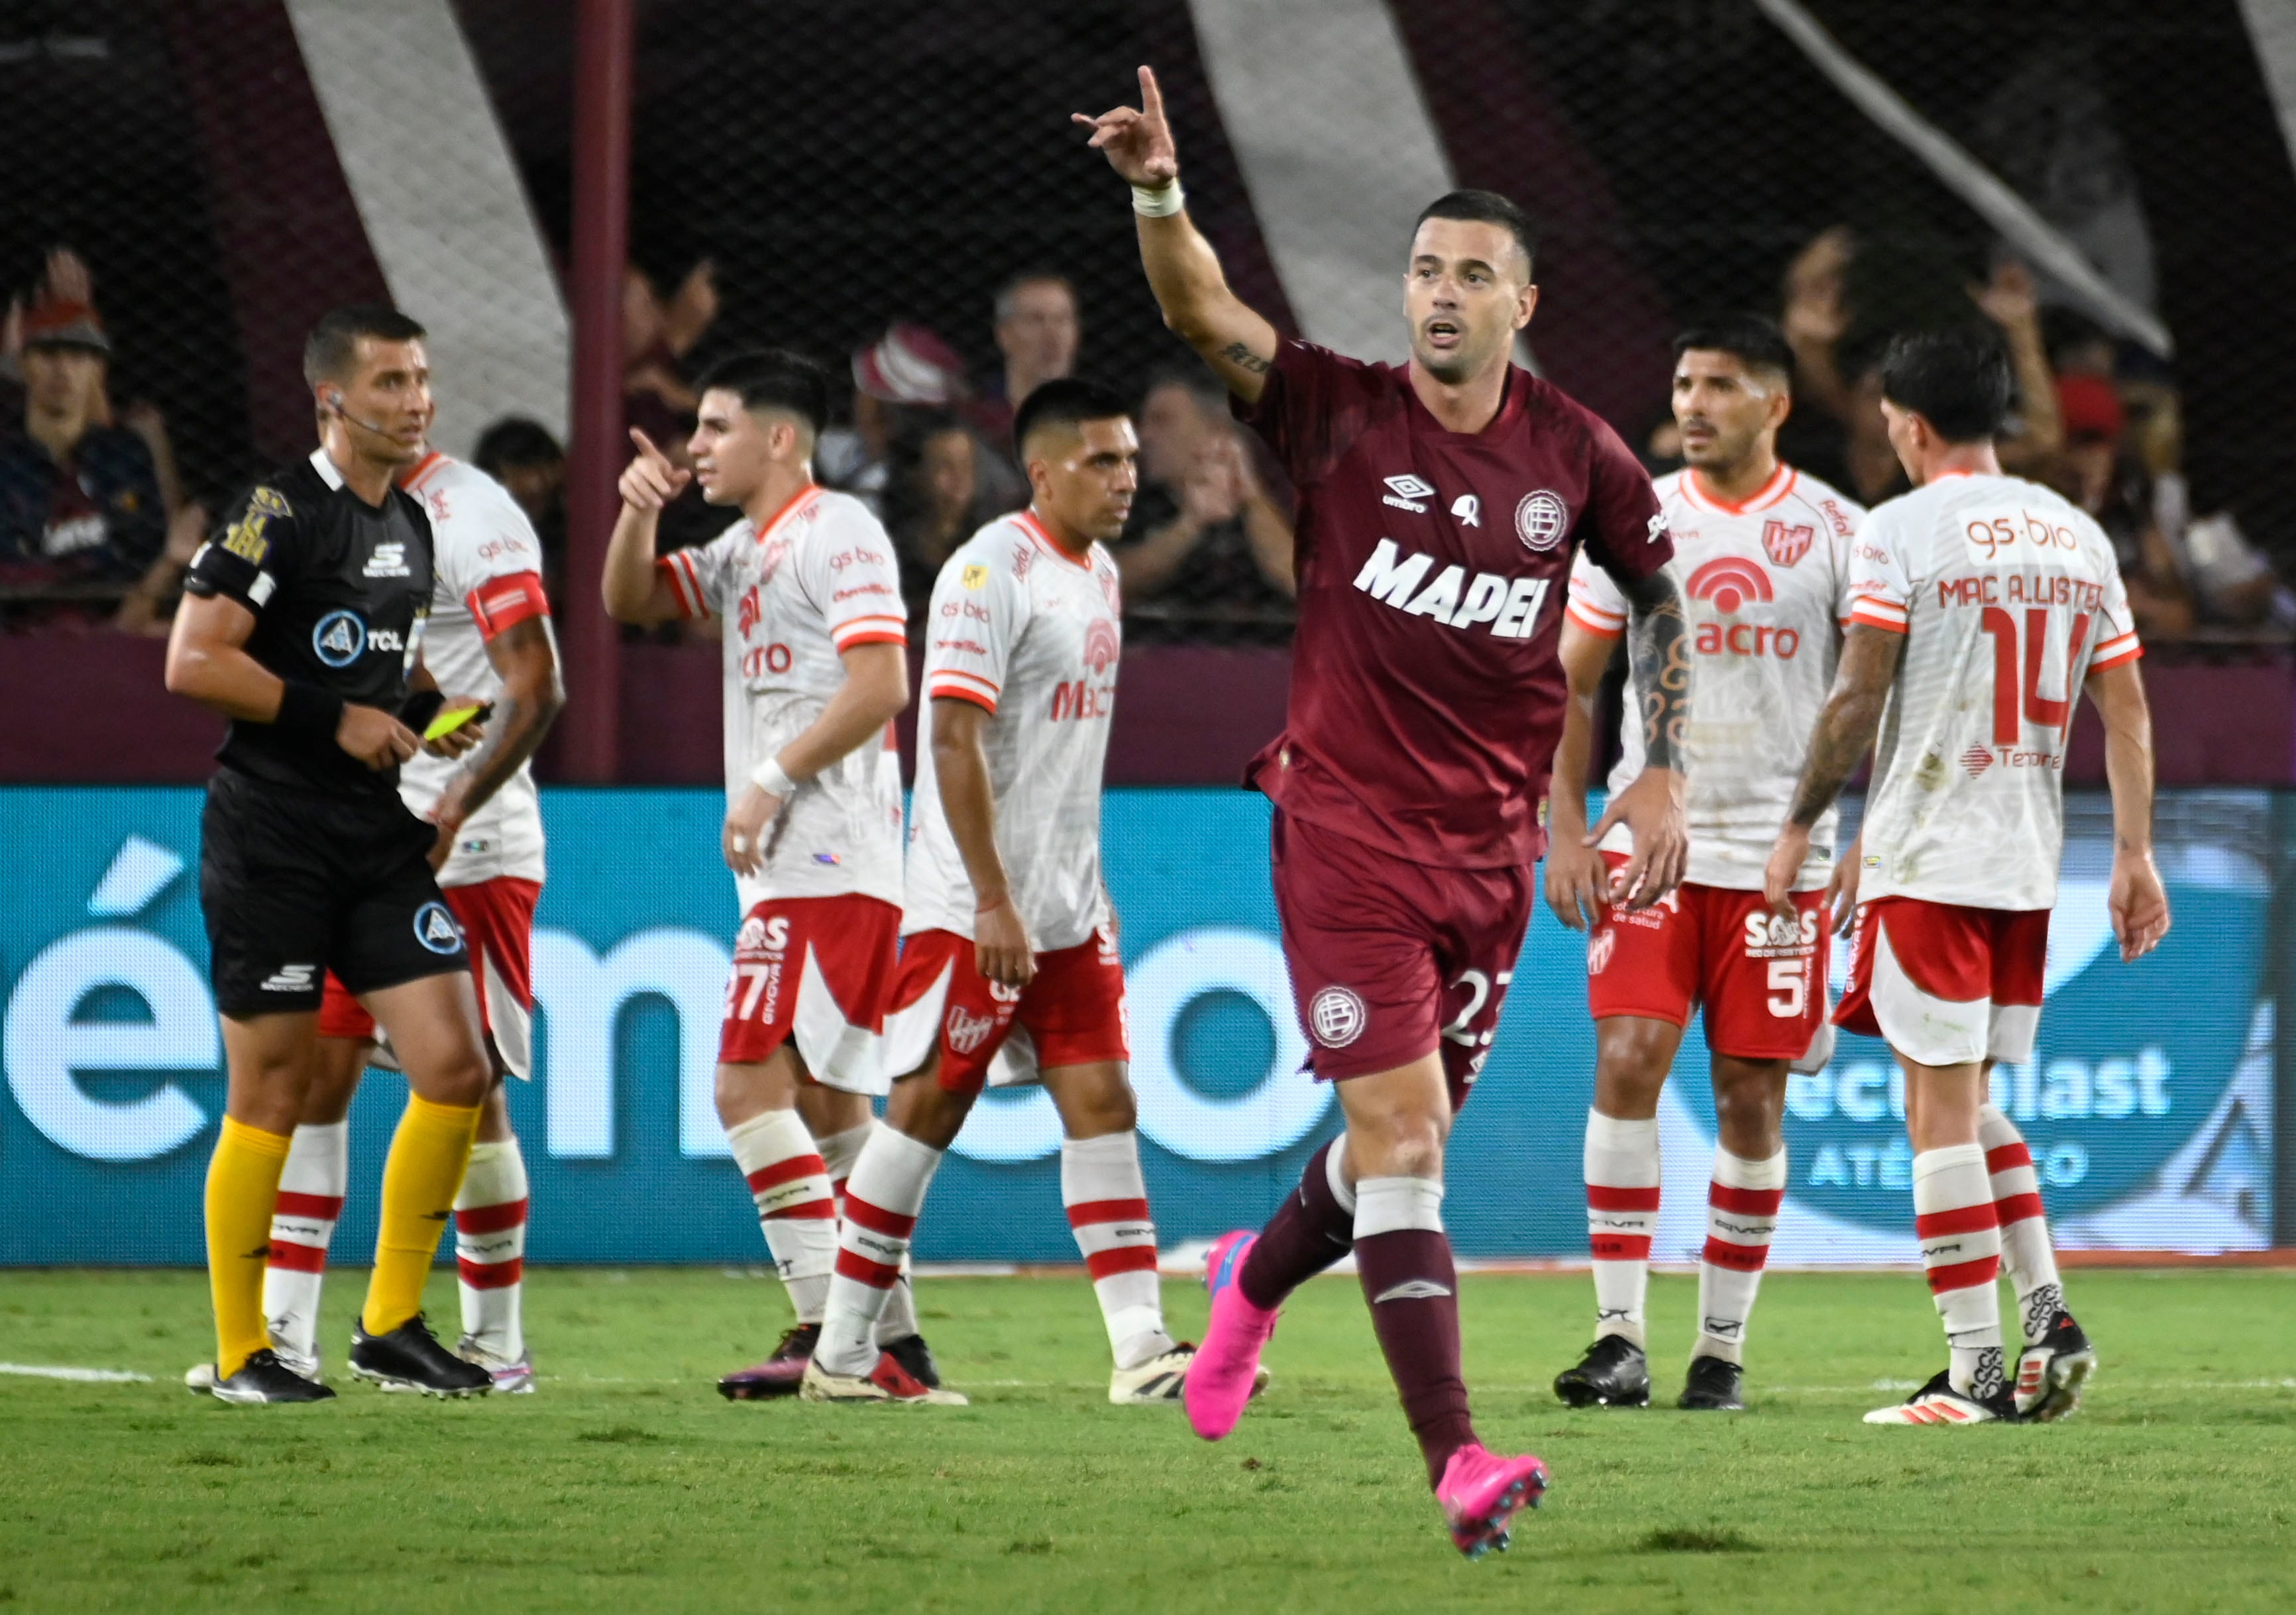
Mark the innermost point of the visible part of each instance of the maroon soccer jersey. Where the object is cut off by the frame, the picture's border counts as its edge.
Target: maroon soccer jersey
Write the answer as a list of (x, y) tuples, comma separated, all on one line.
[(1426, 694)]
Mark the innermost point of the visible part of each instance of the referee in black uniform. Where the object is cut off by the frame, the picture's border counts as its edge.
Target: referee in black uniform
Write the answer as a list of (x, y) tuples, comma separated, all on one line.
[(302, 624)]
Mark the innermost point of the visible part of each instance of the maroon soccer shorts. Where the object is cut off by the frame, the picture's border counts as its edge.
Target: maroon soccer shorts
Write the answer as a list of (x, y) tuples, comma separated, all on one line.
[(1393, 959), (497, 921), (1947, 984), (1072, 1009), (820, 970), (1760, 981)]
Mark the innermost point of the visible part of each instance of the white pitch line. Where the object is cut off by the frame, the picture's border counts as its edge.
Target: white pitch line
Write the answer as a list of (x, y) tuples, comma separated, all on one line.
[(96, 1376)]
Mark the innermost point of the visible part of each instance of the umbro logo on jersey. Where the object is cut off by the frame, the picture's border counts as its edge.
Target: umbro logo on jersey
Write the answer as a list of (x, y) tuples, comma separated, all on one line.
[(389, 561), (292, 979), (1412, 1289), (1509, 604), (1409, 493)]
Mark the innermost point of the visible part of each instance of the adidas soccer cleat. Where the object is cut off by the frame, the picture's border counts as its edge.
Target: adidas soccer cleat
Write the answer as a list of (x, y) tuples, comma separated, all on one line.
[(410, 1358), (1713, 1386), (263, 1378), (1613, 1373), (2051, 1371), (911, 1352), (1480, 1493), (887, 1381), (512, 1377), (1224, 1372), (779, 1374), (1939, 1403)]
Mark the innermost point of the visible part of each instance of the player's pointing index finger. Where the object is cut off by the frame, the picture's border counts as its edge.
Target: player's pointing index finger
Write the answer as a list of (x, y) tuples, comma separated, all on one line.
[(646, 448), (1152, 99)]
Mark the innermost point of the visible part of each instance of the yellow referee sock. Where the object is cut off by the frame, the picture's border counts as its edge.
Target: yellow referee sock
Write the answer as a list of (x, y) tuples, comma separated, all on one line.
[(242, 1188), (428, 1156)]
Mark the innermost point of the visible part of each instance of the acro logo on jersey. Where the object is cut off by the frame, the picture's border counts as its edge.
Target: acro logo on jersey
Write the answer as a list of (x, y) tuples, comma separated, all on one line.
[(339, 638), (1510, 605), (1785, 544), (1409, 493), (1101, 646), (389, 561), (1728, 583), (1542, 518)]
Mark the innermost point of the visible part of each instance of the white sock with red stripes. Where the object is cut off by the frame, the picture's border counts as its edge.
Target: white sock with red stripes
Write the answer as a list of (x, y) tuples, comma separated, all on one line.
[(311, 1188), (1741, 1213), (1623, 1179), (490, 1248), (882, 1199), (1960, 1252), (1107, 1203), (2025, 1248), (839, 1153), (790, 1182)]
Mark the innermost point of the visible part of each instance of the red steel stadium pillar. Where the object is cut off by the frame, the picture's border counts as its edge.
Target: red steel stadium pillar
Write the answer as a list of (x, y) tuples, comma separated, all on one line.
[(602, 64)]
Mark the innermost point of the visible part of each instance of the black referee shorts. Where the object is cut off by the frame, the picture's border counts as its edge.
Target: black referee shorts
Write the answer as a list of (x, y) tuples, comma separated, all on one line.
[(296, 883)]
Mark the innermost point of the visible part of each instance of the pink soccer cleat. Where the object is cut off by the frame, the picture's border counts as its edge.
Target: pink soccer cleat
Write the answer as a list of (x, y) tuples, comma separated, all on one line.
[(1480, 1493), (1227, 1370)]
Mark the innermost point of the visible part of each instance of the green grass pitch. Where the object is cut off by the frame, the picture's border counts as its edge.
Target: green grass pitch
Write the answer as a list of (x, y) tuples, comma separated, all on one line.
[(627, 1484)]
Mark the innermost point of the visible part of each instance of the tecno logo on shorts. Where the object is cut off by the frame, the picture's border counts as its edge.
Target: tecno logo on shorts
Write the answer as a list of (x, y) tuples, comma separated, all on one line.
[(1336, 1016)]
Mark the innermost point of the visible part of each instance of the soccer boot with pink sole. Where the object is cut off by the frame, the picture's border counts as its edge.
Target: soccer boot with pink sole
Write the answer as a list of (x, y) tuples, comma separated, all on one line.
[(1480, 1493), (779, 1374), (2052, 1371), (1939, 1403), (1225, 1370)]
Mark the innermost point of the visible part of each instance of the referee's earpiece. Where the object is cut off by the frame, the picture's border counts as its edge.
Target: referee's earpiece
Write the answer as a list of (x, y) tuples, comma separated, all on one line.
[(332, 399)]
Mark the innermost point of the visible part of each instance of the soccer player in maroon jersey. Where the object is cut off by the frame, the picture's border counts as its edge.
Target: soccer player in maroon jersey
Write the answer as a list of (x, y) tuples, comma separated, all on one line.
[(1440, 503)]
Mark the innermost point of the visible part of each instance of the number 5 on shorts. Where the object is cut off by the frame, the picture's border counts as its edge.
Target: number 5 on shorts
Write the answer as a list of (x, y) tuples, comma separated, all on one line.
[(1789, 988)]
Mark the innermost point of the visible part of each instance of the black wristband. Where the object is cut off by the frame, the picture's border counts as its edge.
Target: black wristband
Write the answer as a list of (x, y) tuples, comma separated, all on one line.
[(418, 709), (309, 711)]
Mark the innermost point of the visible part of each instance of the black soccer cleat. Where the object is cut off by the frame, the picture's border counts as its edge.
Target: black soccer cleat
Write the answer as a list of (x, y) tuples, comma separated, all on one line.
[(410, 1358), (911, 1352), (1613, 1373), (2052, 1371), (264, 1378), (1713, 1386)]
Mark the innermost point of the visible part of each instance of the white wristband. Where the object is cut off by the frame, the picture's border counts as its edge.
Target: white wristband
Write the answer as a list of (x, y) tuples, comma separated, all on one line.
[(770, 777), (1159, 201)]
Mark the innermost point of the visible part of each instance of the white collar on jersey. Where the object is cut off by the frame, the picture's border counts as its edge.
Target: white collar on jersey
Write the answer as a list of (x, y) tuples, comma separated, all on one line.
[(325, 467)]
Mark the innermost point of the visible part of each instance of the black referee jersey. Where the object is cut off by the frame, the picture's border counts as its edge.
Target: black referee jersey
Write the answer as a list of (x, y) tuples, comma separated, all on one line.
[(308, 861)]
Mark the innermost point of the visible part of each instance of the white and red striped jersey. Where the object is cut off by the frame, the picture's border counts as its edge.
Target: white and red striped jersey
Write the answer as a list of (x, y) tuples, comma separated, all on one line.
[(2009, 596), (1765, 584), (794, 595), (1030, 633), (486, 564)]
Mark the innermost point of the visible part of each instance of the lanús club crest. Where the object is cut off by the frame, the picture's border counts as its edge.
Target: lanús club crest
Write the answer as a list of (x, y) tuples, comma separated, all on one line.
[(1541, 520), (1336, 1016)]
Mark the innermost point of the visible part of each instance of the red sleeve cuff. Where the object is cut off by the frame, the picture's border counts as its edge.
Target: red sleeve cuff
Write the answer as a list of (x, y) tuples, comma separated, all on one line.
[(499, 602)]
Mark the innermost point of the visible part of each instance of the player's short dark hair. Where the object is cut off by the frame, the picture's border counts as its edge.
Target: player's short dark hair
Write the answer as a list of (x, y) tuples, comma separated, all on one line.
[(1752, 340), (1065, 401), (515, 440), (774, 378), (1484, 208), (331, 348), (1958, 381)]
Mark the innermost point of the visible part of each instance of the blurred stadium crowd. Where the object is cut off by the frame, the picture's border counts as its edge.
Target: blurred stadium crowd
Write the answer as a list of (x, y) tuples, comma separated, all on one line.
[(117, 442)]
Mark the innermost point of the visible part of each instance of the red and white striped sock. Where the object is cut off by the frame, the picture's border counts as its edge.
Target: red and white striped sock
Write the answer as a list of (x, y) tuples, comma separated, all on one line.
[(1741, 1213), (490, 1248), (2025, 1248), (1960, 1252), (311, 1188), (839, 1153), (883, 1201), (789, 1183), (1107, 1203), (1623, 1179)]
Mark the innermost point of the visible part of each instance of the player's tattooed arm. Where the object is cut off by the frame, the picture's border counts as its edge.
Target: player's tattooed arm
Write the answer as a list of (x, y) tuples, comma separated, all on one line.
[(1243, 359), (1658, 639), (1844, 735)]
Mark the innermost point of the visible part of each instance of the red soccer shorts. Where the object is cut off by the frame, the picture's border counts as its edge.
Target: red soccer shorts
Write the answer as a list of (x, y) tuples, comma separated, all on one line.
[(818, 970), (1072, 1010), (1760, 981), (1393, 959), (497, 921), (1948, 985)]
